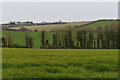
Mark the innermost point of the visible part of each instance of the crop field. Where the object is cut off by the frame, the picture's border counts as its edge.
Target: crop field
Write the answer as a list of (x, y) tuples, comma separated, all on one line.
[(84, 25), (59, 63), (53, 26)]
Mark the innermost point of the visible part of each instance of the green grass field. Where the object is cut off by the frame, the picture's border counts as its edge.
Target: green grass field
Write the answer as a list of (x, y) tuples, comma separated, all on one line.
[(102, 24), (60, 63), (19, 37)]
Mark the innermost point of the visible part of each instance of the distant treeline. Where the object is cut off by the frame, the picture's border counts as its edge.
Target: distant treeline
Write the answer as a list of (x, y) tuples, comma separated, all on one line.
[(107, 38), (29, 23)]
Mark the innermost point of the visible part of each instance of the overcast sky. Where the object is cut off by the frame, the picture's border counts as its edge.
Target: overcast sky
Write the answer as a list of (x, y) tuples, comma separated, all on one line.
[(54, 11)]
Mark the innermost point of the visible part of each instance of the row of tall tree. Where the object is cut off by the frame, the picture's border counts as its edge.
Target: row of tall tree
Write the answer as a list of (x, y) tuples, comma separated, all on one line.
[(104, 39)]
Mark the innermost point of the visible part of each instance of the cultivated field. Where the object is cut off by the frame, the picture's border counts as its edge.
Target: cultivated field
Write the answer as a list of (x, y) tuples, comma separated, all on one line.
[(60, 63), (82, 25), (53, 26)]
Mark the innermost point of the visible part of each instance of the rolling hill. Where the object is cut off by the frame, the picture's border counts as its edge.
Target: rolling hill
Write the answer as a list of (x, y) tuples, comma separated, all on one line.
[(53, 27), (75, 25)]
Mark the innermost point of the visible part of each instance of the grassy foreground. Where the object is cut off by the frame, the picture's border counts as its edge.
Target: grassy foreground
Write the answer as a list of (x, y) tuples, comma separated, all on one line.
[(60, 63)]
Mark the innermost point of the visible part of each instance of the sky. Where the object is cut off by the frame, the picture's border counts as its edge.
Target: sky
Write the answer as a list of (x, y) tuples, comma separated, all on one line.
[(59, 0), (54, 11)]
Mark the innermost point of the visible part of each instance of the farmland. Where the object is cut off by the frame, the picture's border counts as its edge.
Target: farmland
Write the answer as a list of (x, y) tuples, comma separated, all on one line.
[(87, 50), (103, 24), (53, 27), (19, 36), (82, 25), (60, 63)]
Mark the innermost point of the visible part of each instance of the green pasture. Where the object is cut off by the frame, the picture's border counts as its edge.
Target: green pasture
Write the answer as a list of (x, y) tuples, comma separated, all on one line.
[(103, 24), (19, 37), (59, 63)]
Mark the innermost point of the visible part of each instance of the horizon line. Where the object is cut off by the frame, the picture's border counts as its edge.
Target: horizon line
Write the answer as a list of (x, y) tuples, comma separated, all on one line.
[(60, 20)]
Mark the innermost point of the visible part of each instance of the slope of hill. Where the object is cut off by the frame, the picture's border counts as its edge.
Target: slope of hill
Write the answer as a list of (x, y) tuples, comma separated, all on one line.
[(100, 23)]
